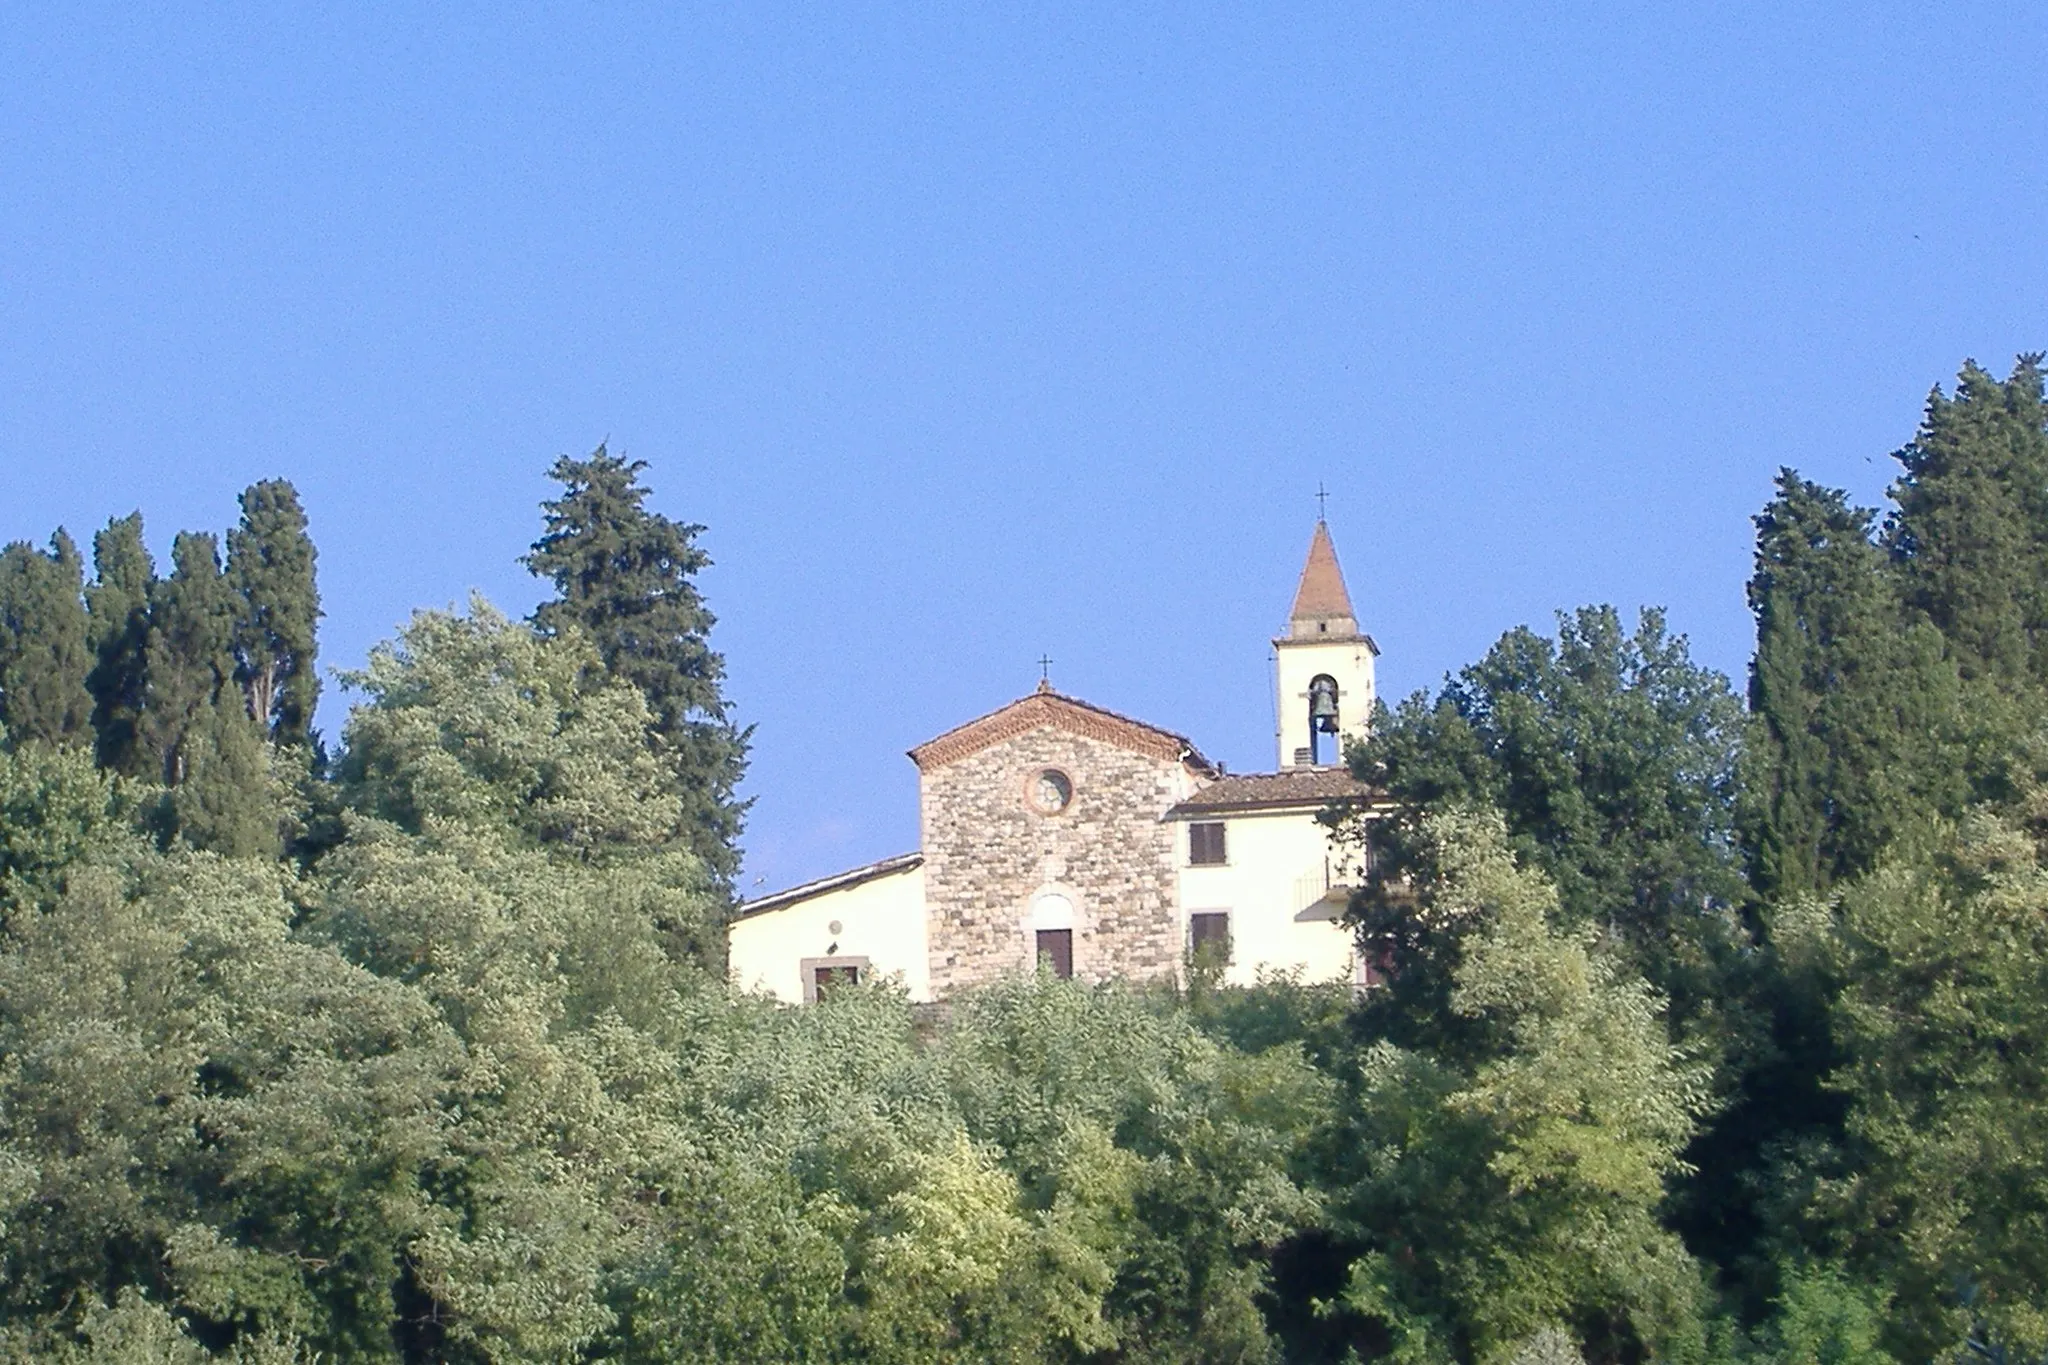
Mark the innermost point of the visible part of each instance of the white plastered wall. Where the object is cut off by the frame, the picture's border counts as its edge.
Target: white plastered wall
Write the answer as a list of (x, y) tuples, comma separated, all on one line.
[(881, 920), (1284, 887)]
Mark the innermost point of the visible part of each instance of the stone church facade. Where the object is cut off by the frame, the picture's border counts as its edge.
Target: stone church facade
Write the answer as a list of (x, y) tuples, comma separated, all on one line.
[(1057, 834), (1054, 826)]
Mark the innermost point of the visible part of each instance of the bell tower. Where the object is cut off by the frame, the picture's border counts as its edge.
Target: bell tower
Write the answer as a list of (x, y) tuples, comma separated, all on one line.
[(1323, 665)]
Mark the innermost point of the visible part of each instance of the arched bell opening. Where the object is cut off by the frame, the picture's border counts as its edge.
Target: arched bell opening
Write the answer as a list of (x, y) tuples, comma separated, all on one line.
[(1324, 721)]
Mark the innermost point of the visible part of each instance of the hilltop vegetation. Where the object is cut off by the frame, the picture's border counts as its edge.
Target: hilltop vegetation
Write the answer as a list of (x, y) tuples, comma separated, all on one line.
[(1714, 1027)]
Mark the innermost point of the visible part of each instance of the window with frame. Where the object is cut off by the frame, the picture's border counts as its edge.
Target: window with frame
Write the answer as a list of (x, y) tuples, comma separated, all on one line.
[(823, 975), (1209, 937), (1205, 844)]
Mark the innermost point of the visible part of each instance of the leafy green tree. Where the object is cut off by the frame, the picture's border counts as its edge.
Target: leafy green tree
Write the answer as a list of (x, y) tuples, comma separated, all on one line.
[(271, 565), (1943, 1016), (624, 577), (57, 812), (204, 1111), (514, 853), (117, 605), (1511, 1185), (1614, 760), (1060, 1173), (1825, 1316), (44, 656), (478, 722), (1168, 1169), (1854, 704), (478, 719)]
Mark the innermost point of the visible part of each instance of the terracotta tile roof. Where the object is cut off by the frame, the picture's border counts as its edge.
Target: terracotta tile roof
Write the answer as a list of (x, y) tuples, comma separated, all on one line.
[(1322, 594), (1048, 708), (838, 881), (1272, 791)]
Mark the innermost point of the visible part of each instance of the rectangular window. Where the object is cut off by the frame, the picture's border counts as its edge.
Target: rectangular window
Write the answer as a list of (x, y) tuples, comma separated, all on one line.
[(1209, 936), (1375, 966), (1205, 844), (823, 975), (1056, 951)]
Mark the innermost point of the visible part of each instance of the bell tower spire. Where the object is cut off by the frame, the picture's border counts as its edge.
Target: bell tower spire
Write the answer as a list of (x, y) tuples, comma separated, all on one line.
[(1323, 664)]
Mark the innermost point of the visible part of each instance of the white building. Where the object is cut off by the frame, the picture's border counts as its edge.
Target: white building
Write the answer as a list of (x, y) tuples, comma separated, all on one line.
[(1054, 831)]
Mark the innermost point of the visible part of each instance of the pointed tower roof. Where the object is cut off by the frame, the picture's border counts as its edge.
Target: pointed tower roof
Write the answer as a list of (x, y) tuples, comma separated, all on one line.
[(1321, 596)]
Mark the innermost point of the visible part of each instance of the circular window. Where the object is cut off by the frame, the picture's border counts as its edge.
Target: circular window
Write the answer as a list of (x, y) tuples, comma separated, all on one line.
[(1051, 791)]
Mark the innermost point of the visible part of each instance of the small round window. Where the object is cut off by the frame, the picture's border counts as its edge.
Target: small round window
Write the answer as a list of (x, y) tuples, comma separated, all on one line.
[(1051, 792)]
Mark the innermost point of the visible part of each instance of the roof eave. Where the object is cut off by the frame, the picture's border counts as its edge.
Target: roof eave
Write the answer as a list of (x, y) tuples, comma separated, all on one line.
[(838, 881), (1193, 810)]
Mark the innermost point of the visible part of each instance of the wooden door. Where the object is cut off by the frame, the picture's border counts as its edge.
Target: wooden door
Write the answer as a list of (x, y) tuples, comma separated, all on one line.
[(1056, 947), (823, 979)]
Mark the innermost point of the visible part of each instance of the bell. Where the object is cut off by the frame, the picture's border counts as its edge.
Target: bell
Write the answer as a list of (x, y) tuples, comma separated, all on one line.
[(1322, 706)]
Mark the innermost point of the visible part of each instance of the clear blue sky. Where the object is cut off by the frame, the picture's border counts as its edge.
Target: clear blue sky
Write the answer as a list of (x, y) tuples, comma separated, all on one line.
[(979, 332)]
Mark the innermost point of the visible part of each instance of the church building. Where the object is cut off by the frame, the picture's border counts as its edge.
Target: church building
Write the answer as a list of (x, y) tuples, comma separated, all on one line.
[(1055, 832)]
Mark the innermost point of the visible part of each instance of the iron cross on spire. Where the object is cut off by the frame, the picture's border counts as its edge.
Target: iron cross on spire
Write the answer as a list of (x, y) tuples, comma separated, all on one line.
[(1322, 502)]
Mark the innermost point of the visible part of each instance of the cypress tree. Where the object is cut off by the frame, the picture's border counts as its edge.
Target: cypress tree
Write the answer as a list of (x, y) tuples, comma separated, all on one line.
[(44, 658), (271, 565), (191, 650), (1970, 532), (228, 800), (1853, 702), (117, 607), (624, 576)]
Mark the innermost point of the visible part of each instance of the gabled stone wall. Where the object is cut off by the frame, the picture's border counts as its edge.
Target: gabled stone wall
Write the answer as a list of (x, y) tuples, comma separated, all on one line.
[(989, 854)]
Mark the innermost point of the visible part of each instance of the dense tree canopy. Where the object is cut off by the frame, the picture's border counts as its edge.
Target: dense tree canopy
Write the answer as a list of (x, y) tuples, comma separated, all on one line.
[(1701, 1036), (1611, 757), (1511, 1181)]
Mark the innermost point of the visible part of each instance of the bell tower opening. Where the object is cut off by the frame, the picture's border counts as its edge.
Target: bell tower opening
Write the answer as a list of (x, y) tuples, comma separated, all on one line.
[(1323, 665), (1323, 725)]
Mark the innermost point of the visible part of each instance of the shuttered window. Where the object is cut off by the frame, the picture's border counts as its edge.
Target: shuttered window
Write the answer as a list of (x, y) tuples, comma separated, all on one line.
[(1205, 844), (1209, 936)]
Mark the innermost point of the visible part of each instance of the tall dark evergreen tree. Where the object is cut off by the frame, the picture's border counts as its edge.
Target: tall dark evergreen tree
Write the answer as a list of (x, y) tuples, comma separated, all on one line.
[(1971, 528), (227, 800), (117, 607), (271, 565), (624, 576), (1852, 700), (191, 659), (44, 657)]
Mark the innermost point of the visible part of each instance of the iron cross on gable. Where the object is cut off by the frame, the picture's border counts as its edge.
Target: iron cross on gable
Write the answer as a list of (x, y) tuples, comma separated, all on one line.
[(1044, 668)]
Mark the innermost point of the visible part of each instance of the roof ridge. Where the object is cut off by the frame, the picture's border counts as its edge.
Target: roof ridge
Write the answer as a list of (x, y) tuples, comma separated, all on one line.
[(1044, 702)]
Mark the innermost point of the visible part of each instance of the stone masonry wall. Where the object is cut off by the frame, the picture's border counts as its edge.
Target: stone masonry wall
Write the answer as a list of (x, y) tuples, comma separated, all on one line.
[(989, 854)]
